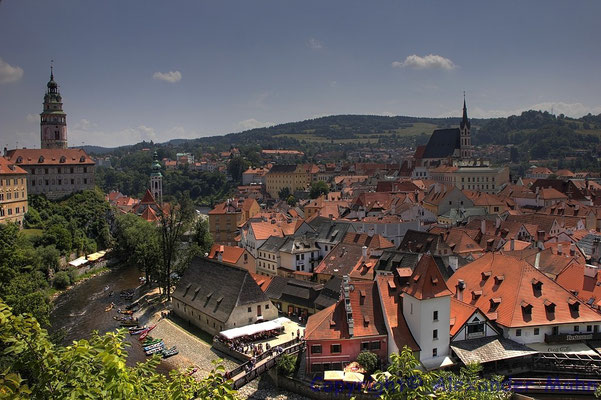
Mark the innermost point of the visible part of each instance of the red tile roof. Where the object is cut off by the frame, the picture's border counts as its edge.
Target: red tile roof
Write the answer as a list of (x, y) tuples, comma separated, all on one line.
[(229, 254), (426, 282), (49, 157), (9, 168), (502, 299)]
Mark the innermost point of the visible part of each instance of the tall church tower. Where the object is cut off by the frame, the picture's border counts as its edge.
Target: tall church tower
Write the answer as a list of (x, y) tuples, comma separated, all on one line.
[(464, 133), (53, 121), (156, 180)]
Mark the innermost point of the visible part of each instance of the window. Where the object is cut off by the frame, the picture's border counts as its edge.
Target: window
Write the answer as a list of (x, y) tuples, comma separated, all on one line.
[(364, 346), (267, 306), (435, 334), (518, 332), (335, 348), (435, 316), (589, 328), (316, 349), (375, 345), (576, 327), (249, 309), (536, 331), (435, 352)]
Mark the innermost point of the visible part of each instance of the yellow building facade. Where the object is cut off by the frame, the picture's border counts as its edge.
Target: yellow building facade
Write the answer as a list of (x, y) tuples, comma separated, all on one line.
[(13, 192)]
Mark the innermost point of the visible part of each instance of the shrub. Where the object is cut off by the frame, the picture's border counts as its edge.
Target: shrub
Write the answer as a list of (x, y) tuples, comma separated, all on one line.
[(61, 280), (72, 272), (286, 364), (368, 360)]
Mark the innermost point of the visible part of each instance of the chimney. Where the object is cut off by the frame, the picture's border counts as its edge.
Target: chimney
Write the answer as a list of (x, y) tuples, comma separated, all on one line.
[(5, 151), (497, 223), (364, 251), (559, 249), (512, 245), (483, 226), (572, 249), (460, 288)]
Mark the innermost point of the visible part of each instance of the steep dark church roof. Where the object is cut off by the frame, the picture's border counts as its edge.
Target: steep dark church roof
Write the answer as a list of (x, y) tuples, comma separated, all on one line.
[(442, 143)]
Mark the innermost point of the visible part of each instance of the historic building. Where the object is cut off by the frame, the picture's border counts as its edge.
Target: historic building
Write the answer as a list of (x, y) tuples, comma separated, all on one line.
[(54, 170), (156, 180), (13, 192)]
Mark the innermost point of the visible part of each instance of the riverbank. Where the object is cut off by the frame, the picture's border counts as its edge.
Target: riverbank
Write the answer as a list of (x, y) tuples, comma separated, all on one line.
[(54, 293)]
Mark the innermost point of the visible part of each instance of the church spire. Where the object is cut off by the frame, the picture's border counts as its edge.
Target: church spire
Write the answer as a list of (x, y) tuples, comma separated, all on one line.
[(464, 121)]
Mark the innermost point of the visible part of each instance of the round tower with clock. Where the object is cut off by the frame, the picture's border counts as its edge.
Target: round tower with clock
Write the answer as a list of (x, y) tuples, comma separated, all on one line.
[(53, 120)]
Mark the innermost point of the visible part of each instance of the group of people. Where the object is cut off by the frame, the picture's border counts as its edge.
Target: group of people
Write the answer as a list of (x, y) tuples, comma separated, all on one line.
[(244, 344)]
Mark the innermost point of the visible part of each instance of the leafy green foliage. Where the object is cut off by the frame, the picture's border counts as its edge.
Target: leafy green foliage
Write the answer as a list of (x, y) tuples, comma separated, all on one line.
[(319, 188), (236, 167), (410, 381), (31, 366), (368, 360), (201, 236), (61, 280), (286, 364), (284, 193)]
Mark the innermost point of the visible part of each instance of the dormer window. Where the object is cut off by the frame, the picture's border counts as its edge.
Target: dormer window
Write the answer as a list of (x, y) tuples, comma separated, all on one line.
[(41, 159), (499, 279), (19, 160), (486, 275), (574, 305), (494, 303), (476, 294), (537, 287), (82, 159), (63, 159), (434, 280), (526, 308)]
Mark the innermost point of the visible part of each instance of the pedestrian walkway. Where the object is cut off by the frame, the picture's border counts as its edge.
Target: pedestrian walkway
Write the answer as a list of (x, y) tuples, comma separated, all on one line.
[(250, 370)]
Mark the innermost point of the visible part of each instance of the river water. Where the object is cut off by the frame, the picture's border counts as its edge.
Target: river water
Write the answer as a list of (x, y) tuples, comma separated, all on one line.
[(81, 310)]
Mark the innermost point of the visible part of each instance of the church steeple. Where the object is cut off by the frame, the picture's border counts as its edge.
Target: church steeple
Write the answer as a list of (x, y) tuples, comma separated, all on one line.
[(464, 120), (53, 120), (464, 133), (156, 180)]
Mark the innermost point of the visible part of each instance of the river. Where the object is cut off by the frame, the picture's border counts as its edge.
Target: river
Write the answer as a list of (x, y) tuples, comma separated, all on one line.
[(81, 310)]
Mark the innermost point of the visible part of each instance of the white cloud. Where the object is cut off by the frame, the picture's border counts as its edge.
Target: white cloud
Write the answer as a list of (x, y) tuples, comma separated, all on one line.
[(84, 125), (171, 76), (32, 118), (574, 110), (431, 61), (252, 123), (314, 44), (8, 73)]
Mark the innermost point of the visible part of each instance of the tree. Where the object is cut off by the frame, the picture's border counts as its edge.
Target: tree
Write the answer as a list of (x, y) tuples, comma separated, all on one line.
[(368, 360), (318, 188), (236, 168), (31, 366), (174, 223), (409, 381), (284, 193), (61, 280), (202, 237), (291, 200)]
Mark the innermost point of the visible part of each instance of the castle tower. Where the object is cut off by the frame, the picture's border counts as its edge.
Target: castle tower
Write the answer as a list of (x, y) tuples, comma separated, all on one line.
[(53, 121), (156, 180), (464, 133)]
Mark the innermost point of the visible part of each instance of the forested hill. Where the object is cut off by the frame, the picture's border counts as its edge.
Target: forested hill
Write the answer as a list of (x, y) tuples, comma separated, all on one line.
[(528, 128)]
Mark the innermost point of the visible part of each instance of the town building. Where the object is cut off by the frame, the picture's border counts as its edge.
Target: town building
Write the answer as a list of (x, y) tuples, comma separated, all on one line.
[(336, 335), (294, 177), (54, 170), (227, 217), (202, 298), (234, 256), (13, 192)]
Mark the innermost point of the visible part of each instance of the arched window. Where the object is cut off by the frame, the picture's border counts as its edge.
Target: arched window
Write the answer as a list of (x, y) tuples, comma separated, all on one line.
[(63, 159), (82, 159), (41, 159), (19, 160)]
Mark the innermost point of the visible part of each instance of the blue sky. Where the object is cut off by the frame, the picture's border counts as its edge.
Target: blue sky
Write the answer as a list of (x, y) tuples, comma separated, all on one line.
[(143, 69)]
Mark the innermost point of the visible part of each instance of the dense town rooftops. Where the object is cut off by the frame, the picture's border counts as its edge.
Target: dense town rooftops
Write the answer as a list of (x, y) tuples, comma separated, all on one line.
[(514, 293)]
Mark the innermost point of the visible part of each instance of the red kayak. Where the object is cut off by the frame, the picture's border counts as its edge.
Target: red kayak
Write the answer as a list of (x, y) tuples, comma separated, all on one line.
[(146, 332)]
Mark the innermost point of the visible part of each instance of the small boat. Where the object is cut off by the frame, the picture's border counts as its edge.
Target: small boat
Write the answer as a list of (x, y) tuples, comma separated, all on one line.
[(137, 332), (192, 371), (154, 346), (154, 350), (129, 324), (110, 307), (136, 328), (107, 287), (125, 312), (132, 305), (144, 334), (151, 342), (170, 352), (111, 293)]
